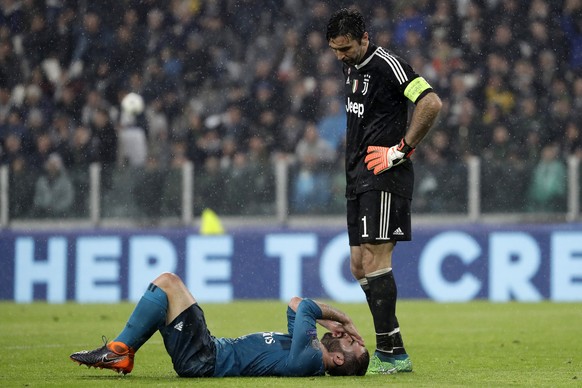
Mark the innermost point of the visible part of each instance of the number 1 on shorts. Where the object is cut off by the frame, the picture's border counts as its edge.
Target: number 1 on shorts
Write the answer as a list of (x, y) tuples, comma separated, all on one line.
[(364, 227)]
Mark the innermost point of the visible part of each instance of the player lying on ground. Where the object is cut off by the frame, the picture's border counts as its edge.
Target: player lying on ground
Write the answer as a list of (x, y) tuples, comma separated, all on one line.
[(169, 307)]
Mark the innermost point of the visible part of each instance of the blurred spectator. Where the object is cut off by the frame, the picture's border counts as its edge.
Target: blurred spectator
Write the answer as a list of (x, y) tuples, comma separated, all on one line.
[(572, 27), (196, 62), (37, 41), (172, 190), (81, 157), (22, 179), (64, 36), (233, 123), (508, 12), (577, 98), (94, 101), (411, 20), (528, 119), (466, 132), (572, 143), (523, 79), (43, 148), (14, 125), (309, 53), (547, 191), (498, 92), (239, 188), (440, 185), (54, 192), (210, 185), (533, 148), (127, 52), (267, 128), (93, 45), (11, 149), (156, 35), (290, 133), (81, 148), (11, 68), (262, 176), (105, 142), (502, 162), (504, 43), (6, 105), (312, 180), (156, 82), (69, 102), (148, 190), (194, 134), (332, 126), (443, 21), (61, 133), (133, 145), (559, 116), (287, 56)]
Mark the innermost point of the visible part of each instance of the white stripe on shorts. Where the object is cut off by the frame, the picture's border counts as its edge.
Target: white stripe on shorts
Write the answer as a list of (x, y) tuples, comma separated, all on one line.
[(385, 202)]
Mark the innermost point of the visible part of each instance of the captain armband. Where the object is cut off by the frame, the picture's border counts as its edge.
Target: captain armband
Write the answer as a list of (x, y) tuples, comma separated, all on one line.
[(415, 88)]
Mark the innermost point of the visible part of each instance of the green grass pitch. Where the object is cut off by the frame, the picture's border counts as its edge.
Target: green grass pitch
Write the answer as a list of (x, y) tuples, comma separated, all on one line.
[(465, 344)]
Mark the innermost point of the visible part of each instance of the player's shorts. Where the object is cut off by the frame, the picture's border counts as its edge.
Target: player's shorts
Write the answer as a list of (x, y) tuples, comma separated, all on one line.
[(376, 217), (190, 344)]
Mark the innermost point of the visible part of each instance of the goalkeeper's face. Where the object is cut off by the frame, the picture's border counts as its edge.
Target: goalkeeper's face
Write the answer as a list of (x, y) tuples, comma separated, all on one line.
[(349, 50)]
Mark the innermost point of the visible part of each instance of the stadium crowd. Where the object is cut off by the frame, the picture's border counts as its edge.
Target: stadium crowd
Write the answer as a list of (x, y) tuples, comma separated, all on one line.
[(234, 85)]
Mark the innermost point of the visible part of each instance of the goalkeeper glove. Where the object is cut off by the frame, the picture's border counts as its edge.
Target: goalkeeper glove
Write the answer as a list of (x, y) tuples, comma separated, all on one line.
[(381, 159)]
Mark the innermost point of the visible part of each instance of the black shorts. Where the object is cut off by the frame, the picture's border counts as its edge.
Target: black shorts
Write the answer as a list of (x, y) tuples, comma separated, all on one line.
[(190, 344), (376, 217)]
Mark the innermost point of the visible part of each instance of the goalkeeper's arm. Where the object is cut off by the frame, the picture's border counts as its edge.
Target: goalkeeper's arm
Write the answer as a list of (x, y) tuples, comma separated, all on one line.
[(381, 159)]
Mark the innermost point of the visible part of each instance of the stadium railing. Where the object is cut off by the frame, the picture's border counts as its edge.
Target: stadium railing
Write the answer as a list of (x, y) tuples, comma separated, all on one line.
[(135, 197)]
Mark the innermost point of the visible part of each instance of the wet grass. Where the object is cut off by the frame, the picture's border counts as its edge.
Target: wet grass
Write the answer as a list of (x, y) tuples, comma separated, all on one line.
[(465, 344)]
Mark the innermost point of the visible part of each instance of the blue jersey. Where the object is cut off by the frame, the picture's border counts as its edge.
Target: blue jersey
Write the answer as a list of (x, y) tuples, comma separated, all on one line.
[(275, 354)]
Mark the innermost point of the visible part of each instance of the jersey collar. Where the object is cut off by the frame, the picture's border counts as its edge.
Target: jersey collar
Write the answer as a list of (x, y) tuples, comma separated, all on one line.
[(368, 56)]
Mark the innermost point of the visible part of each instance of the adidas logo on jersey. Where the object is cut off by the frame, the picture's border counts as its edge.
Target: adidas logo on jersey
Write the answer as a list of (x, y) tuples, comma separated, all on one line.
[(398, 232), (179, 326)]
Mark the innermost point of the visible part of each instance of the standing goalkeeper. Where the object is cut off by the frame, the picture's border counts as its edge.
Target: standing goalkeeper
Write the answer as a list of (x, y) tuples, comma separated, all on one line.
[(379, 173)]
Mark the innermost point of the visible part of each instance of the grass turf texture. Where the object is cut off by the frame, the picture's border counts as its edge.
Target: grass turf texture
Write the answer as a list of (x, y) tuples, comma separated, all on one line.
[(469, 344)]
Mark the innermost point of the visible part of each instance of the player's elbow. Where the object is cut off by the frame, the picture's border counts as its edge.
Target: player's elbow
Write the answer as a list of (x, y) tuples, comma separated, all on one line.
[(433, 103)]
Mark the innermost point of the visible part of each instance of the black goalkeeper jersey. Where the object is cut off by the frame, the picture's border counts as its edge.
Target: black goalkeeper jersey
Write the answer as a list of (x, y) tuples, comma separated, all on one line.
[(377, 94)]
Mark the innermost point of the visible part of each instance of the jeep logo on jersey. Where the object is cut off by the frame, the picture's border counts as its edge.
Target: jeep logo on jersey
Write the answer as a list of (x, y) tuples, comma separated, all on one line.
[(355, 107)]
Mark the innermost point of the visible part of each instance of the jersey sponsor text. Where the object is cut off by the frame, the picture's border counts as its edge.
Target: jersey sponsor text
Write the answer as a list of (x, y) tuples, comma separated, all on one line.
[(355, 108)]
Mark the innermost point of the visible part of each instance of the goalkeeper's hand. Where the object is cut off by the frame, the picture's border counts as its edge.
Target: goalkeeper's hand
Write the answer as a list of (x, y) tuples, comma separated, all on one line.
[(381, 159)]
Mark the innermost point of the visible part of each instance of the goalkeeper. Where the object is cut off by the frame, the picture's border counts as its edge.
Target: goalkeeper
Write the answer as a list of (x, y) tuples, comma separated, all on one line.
[(379, 142)]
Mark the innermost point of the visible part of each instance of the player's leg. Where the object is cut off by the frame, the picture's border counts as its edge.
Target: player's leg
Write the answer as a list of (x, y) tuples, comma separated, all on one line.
[(179, 297), (376, 210), (186, 336), (357, 230), (382, 293), (162, 297)]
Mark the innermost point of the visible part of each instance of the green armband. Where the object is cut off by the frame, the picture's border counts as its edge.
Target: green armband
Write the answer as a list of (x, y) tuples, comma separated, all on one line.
[(415, 88)]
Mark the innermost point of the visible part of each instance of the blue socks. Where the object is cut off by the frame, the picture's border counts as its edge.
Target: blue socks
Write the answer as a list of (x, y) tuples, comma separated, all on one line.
[(147, 317)]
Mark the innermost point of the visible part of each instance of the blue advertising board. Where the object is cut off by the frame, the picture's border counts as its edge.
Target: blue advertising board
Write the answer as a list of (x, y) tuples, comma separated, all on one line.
[(453, 263)]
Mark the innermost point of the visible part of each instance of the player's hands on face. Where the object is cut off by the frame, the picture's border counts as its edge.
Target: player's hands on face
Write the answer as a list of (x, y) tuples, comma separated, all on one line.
[(338, 329), (351, 330), (381, 159)]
